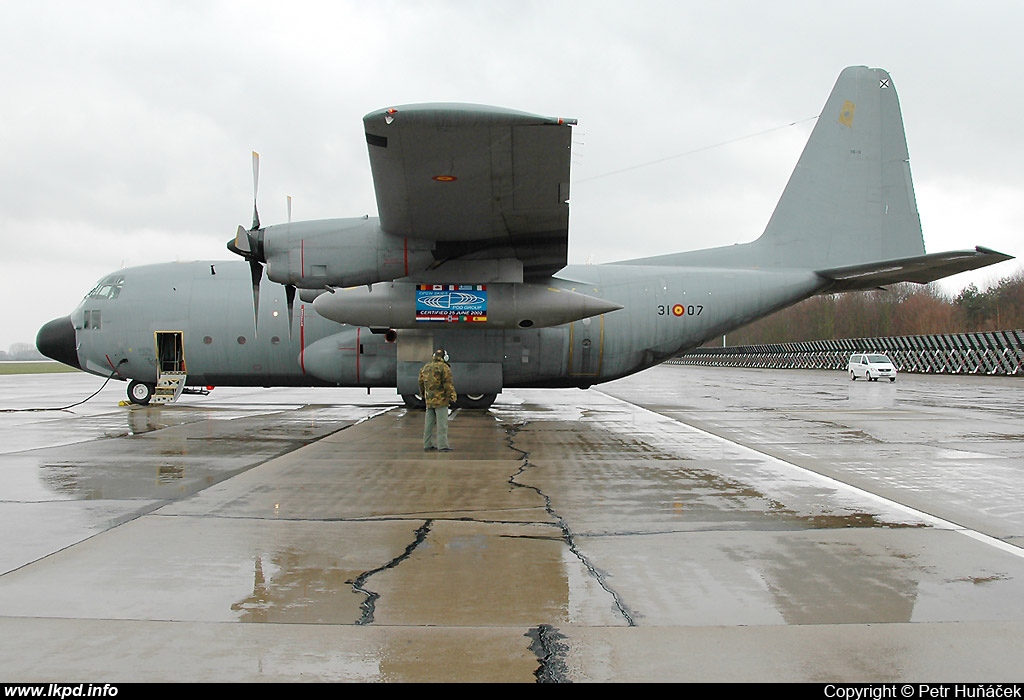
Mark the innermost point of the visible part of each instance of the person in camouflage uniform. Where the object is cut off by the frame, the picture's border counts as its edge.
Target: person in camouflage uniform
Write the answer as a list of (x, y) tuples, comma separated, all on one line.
[(438, 391)]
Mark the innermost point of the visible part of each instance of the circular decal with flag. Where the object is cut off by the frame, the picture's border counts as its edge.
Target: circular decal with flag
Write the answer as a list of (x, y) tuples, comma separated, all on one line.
[(444, 178), (678, 310)]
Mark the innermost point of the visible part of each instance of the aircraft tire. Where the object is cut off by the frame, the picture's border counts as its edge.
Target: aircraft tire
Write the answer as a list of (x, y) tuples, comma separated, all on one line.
[(140, 393), (853, 377), (414, 401), (483, 401)]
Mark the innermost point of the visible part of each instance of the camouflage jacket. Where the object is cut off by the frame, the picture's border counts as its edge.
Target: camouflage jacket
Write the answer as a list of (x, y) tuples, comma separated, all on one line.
[(436, 386)]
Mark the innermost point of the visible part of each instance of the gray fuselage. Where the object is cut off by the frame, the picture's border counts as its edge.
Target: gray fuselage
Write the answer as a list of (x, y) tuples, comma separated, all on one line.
[(666, 311)]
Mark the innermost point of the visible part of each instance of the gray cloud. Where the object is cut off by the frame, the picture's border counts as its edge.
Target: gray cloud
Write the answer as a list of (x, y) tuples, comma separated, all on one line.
[(127, 127)]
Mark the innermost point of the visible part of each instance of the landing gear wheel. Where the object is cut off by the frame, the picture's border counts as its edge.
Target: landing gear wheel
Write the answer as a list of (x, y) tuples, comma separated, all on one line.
[(475, 400), (413, 401), (853, 377), (892, 379), (140, 392)]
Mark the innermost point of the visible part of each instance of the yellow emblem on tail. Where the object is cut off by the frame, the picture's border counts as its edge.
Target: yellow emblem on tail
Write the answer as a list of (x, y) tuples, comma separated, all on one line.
[(846, 113)]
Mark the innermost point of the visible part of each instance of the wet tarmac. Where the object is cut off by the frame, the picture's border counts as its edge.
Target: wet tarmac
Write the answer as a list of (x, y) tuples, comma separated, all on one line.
[(685, 524)]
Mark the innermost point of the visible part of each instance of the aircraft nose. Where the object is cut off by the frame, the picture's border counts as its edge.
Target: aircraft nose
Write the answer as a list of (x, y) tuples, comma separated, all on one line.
[(56, 340)]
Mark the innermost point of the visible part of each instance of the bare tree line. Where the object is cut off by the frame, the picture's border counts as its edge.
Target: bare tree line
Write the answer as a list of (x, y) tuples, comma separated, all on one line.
[(21, 351), (902, 309)]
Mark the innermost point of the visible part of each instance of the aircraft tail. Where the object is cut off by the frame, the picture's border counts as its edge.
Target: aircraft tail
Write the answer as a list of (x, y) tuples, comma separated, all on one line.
[(848, 212), (850, 199)]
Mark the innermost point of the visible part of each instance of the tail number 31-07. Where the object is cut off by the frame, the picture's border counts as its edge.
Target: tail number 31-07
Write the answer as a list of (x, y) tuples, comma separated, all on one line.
[(680, 310)]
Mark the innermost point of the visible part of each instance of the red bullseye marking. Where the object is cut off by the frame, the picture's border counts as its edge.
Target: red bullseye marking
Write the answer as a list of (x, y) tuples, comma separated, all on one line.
[(444, 178), (678, 310)]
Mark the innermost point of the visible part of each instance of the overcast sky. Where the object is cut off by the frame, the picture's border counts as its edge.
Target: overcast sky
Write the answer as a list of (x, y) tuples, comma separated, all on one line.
[(126, 127)]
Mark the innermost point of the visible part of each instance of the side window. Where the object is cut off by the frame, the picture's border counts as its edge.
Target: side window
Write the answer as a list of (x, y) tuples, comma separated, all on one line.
[(92, 320)]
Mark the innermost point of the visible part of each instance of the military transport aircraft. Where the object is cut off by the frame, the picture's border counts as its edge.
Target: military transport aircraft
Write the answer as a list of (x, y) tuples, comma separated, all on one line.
[(469, 253)]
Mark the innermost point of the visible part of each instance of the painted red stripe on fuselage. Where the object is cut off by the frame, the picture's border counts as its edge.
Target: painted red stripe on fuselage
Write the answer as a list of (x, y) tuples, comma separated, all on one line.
[(302, 338)]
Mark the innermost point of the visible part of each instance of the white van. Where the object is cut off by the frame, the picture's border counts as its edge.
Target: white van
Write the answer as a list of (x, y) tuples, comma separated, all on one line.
[(872, 367)]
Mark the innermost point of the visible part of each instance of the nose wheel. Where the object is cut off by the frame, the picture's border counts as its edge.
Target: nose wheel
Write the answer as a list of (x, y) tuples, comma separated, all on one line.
[(140, 393)]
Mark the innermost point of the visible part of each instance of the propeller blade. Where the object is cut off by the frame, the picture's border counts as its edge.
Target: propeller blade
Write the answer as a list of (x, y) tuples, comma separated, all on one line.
[(289, 209), (249, 244), (255, 189), (289, 293), (256, 271)]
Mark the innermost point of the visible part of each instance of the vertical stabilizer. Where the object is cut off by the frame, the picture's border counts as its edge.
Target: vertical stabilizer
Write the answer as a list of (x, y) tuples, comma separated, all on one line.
[(850, 199)]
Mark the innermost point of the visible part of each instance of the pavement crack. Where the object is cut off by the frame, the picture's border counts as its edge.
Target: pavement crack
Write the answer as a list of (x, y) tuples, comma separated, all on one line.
[(369, 605), (567, 534), (551, 652)]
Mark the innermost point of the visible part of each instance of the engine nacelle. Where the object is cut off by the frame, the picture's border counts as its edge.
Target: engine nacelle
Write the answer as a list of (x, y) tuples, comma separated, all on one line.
[(339, 253)]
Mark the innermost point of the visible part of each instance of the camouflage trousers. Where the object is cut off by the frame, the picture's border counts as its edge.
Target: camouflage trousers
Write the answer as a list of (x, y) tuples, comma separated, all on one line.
[(436, 418)]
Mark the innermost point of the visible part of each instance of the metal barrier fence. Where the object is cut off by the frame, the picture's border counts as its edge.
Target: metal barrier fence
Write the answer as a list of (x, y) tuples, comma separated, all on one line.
[(999, 352)]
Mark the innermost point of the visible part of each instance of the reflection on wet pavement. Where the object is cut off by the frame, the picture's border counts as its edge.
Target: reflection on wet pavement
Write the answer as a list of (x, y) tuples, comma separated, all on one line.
[(559, 541), (134, 459), (613, 476)]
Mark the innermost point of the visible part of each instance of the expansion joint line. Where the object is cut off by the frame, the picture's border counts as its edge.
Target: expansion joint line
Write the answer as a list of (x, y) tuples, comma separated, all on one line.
[(567, 534), (369, 605)]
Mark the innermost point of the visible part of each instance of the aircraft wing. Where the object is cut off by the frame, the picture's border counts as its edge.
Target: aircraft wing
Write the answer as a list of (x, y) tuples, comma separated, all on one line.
[(482, 182), (922, 269)]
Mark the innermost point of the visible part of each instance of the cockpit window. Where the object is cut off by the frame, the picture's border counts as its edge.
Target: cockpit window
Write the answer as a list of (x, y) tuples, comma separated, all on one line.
[(108, 288)]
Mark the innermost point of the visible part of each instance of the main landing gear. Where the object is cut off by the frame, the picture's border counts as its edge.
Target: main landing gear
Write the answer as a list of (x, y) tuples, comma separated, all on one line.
[(480, 401), (483, 401)]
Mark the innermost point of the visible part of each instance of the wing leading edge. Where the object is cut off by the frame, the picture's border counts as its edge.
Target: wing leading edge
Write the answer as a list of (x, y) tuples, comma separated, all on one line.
[(481, 182)]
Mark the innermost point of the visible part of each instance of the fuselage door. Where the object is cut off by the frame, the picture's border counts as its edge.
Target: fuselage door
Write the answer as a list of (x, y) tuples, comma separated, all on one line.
[(170, 351)]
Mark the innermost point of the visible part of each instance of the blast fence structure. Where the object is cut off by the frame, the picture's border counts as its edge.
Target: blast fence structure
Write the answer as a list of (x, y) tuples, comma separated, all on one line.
[(998, 353)]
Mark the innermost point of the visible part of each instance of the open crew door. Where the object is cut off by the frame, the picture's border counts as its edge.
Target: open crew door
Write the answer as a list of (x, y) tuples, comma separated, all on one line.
[(170, 357)]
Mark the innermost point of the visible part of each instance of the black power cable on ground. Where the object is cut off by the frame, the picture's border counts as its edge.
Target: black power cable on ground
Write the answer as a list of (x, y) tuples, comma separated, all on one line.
[(61, 408)]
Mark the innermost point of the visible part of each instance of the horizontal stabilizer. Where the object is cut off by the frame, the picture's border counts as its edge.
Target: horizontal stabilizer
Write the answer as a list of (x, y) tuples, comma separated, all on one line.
[(921, 269)]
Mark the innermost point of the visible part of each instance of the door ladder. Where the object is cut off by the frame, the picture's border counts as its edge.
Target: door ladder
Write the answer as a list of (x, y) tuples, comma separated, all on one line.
[(168, 387)]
